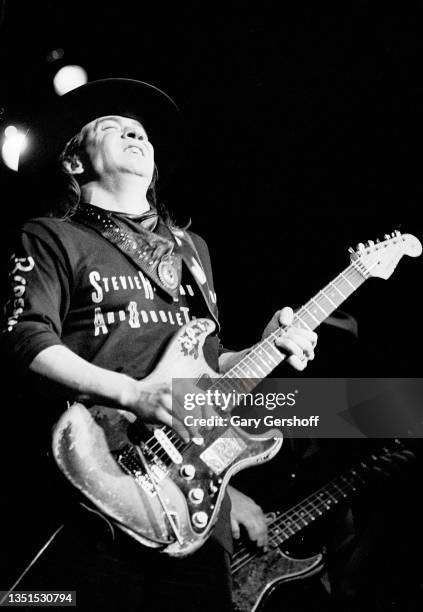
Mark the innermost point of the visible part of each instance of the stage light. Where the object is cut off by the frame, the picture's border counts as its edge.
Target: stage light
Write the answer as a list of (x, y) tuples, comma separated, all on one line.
[(14, 143), (10, 131), (68, 78)]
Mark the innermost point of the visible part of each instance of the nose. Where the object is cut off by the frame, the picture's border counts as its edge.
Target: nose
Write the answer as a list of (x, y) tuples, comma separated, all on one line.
[(133, 132)]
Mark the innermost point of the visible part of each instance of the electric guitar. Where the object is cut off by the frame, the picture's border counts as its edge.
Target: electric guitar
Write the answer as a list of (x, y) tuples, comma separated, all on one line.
[(164, 492), (256, 576)]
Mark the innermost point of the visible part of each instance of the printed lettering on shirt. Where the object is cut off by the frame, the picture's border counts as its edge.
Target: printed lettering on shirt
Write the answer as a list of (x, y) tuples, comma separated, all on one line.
[(136, 317), (133, 314), (16, 304), (105, 284), (99, 322)]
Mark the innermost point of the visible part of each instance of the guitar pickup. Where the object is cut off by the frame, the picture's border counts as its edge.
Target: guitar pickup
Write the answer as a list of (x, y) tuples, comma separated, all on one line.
[(168, 446)]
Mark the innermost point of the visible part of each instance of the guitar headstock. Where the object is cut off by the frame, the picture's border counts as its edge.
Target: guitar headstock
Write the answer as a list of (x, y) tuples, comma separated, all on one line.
[(380, 258)]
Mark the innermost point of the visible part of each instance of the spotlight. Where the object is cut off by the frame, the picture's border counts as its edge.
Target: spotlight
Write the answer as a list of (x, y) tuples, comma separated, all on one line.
[(68, 78), (14, 143)]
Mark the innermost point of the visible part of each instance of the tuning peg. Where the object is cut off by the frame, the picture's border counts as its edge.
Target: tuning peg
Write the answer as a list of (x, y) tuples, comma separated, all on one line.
[(370, 243), (397, 233), (360, 246), (393, 234), (377, 240), (387, 236)]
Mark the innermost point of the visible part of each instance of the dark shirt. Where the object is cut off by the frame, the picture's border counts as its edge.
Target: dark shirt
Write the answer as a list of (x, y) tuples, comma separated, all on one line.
[(72, 287)]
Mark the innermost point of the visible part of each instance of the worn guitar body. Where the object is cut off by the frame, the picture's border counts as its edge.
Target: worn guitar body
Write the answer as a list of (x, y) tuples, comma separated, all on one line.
[(177, 512), (255, 582)]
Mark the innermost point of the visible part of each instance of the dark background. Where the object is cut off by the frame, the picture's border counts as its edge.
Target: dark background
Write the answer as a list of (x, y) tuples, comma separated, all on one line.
[(303, 129)]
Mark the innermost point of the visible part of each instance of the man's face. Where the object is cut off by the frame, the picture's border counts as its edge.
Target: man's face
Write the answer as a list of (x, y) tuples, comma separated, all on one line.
[(115, 145)]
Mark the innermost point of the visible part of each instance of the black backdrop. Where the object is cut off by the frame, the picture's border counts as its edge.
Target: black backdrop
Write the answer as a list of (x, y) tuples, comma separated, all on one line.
[(303, 131)]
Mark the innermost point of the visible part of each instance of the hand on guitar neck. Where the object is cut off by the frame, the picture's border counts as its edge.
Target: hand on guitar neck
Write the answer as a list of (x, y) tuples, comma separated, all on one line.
[(296, 343)]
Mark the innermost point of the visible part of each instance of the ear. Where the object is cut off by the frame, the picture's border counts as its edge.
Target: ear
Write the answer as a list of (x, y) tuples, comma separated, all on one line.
[(73, 165)]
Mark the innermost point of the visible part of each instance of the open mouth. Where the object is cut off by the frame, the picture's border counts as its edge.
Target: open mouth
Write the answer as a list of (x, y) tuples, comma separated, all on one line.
[(133, 149)]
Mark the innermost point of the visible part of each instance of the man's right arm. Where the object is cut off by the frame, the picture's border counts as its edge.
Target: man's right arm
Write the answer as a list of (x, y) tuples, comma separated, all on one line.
[(87, 382)]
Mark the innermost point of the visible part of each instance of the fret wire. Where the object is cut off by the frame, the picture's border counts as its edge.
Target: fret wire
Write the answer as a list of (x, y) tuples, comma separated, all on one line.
[(259, 356), (333, 493), (286, 528), (315, 510), (339, 291), (261, 372), (269, 356), (294, 516), (247, 358), (297, 318), (328, 298), (235, 368), (314, 505), (353, 487), (247, 371), (318, 305), (346, 288), (325, 501), (340, 490), (311, 314), (239, 367), (301, 518), (346, 279)]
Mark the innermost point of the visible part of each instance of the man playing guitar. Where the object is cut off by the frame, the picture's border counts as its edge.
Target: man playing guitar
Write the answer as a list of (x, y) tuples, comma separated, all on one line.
[(90, 321)]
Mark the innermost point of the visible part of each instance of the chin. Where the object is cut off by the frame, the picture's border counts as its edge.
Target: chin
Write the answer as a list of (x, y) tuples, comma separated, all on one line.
[(147, 174)]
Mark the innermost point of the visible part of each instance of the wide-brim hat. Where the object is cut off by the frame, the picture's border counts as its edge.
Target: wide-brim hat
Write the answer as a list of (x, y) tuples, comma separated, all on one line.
[(50, 130)]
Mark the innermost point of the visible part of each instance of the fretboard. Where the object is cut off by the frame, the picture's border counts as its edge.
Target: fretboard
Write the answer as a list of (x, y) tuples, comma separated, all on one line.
[(264, 357), (316, 505)]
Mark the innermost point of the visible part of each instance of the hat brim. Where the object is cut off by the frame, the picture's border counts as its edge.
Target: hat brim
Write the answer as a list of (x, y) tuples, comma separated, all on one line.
[(52, 129)]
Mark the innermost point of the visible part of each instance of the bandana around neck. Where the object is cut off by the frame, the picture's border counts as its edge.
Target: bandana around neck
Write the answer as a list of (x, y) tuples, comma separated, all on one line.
[(152, 251)]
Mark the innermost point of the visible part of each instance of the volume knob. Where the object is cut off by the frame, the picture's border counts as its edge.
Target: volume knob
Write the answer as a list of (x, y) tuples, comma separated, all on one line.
[(187, 471), (200, 519), (196, 496)]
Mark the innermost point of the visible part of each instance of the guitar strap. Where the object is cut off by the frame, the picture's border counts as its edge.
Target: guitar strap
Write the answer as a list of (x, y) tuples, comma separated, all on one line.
[(153, 253)]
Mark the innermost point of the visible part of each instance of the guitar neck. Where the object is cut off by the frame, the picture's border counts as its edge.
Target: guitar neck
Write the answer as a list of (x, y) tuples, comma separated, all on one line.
[(294, 520), (284, 525), (264, 357)]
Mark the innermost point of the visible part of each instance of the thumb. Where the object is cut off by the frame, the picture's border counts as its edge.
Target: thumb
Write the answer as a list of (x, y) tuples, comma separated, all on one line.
[(286, 316), (235, 528)]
